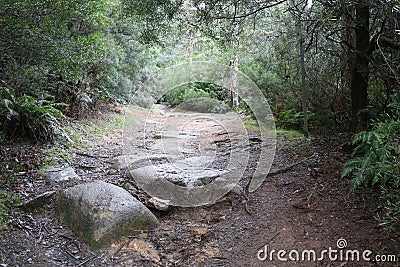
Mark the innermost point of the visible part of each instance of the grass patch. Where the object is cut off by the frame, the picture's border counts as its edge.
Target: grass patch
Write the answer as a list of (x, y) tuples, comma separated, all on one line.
[(251, 125), (83, 132), (289, 134), (104, 125), (57, 154), (82, 135), (155, 110)]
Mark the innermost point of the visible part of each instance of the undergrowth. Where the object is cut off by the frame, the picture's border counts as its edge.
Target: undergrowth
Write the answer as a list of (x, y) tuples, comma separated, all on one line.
[(82, 135), (29, 117), (376, 164)]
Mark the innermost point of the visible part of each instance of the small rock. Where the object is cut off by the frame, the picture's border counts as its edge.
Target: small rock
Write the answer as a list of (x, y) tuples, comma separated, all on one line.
[(112, 171), (158, 204), (55, 175), (157, 136)]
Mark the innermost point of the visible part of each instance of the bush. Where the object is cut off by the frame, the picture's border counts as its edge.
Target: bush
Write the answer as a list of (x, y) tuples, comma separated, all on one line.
[(290, 119), (184, 93), (196, 90), (29, 117), (376, 163), (205, 105)]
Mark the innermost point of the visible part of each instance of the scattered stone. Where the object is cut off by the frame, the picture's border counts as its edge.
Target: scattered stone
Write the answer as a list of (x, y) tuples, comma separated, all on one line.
[(157, 136), (112, 171), (158, 204), (120, 109), (56, 175), (101, 213)]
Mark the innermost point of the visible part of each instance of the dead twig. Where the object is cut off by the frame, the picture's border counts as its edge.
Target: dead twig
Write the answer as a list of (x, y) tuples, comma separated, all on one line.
[(288, 168), (118, 250), (311, 195), (300, 207), (86, 167), (87, 260), (246, 206), (270, 240), (70, 254), (274, 236), (156, 240)]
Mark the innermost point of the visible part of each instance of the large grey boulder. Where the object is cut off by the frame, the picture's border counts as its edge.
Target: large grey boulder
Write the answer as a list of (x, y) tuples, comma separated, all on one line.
[(100, 213)]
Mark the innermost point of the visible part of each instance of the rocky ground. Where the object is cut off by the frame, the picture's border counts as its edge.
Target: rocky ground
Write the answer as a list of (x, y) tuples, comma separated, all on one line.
[(304, 207)]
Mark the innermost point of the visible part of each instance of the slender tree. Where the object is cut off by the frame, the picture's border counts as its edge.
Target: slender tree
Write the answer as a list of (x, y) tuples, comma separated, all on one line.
[(360, 69)]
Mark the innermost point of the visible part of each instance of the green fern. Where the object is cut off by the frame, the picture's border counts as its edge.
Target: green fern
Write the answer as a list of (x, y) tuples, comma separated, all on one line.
[(376, 163), (29, 117)]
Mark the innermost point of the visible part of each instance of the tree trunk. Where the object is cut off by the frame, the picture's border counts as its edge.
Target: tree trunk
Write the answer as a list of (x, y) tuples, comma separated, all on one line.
[(359, 75), (304, 88), (348, 45), (191, 47), (234, 81)]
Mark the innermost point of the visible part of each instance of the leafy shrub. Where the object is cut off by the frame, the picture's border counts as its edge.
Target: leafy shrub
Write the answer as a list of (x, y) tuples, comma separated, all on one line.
[(183, 93), (205, 105), (290, 119), (376, 163), (195, 90), (29, 117)]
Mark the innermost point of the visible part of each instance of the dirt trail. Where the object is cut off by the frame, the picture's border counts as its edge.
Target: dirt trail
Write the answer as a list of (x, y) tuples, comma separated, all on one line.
[(305, 208)]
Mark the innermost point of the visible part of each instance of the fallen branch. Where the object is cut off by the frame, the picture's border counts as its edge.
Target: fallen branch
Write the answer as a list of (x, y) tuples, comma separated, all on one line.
[(118, 250), (270, 240), (87, 260), (288, 168), (311, 195), (273, 237), (272, 174)]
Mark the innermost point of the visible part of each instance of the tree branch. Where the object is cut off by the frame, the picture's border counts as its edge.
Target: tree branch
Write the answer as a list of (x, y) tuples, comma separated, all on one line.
[(389, 43), (252, 12)]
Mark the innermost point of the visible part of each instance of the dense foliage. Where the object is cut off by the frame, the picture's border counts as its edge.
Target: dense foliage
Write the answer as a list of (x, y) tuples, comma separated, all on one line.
[(376, 163), (195, 90), (78, 53), (28, 116)]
